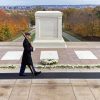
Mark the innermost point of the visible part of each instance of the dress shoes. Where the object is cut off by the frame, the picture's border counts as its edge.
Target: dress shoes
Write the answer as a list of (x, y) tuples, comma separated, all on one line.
[(37, 73)]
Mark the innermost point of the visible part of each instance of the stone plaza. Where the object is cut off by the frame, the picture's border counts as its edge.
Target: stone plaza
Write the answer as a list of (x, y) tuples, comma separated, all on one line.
[(53, 83)]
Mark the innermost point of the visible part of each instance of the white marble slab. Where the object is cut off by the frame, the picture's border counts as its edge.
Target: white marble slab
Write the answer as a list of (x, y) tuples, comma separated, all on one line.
[(49, 55), (85, 55), (12, 55), (48, 30)]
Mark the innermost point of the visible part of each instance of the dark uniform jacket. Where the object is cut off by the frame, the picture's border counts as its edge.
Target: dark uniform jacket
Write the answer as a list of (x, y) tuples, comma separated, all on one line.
[(26, 58)]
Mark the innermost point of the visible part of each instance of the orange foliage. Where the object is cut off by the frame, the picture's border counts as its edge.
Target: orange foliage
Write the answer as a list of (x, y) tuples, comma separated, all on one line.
[(14, 23), (84, 22)]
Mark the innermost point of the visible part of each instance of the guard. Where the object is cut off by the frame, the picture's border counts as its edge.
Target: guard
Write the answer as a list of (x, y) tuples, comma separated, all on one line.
[(26, 58)]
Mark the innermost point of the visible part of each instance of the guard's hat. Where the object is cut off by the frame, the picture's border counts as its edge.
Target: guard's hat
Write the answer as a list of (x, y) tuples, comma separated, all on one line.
[(27, 33)]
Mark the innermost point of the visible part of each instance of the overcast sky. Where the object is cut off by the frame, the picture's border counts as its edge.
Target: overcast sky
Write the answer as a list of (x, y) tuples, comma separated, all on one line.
[(48, 2)]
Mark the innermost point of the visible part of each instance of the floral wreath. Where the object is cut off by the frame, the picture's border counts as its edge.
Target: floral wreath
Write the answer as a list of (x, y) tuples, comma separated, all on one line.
[(49, 61)]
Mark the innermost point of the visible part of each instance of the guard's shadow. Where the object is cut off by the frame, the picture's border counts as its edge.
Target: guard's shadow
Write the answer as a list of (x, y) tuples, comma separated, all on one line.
[(53, 75)]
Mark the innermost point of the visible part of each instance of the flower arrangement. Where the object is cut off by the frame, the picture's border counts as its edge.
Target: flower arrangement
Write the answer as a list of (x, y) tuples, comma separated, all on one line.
[(54, 64), (49, 61), (69, 66)]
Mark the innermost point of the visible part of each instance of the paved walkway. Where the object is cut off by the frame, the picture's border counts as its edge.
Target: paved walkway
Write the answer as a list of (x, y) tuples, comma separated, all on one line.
[(30, 88), (49, 89), (46, 86), (75, 53), (70, 37), (21, 38)]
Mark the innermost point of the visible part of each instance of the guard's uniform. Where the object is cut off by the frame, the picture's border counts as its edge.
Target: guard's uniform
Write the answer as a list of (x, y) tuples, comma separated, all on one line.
[(26, 58)]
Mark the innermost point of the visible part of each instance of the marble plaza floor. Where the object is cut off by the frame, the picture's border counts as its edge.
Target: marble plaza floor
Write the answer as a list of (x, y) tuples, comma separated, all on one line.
[(13, 87), (75, 53), (46, 86), (50, 89)]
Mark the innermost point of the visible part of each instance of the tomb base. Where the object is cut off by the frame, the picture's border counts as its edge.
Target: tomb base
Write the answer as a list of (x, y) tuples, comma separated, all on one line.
[(49, 44)]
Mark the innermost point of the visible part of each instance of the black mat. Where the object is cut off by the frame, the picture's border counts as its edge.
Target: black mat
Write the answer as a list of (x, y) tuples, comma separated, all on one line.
[(53, 75)]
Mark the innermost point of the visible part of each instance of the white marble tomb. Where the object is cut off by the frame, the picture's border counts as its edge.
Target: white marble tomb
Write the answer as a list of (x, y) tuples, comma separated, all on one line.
[(48, 30)]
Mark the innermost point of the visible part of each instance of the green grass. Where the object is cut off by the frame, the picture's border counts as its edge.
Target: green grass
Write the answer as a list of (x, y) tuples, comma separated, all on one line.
[(15, 37), (33, 36), (19, 35)]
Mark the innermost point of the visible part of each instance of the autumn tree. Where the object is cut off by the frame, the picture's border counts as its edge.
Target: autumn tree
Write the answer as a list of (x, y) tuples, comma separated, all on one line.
[(12, 24), (84, 22)]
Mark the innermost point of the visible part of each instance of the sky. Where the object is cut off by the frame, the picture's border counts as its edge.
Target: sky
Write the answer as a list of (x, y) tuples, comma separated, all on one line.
[(47, 2)]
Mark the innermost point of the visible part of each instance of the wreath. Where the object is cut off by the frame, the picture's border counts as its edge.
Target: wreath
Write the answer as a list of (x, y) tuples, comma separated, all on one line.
[(49, 61)]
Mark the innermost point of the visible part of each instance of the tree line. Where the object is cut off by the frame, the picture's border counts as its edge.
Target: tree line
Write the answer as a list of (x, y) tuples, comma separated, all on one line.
[(83, 22), (11, 24)]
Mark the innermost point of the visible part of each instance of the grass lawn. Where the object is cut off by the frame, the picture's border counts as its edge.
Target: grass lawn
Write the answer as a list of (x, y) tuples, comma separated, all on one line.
[(15, 37), (33, 36)]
